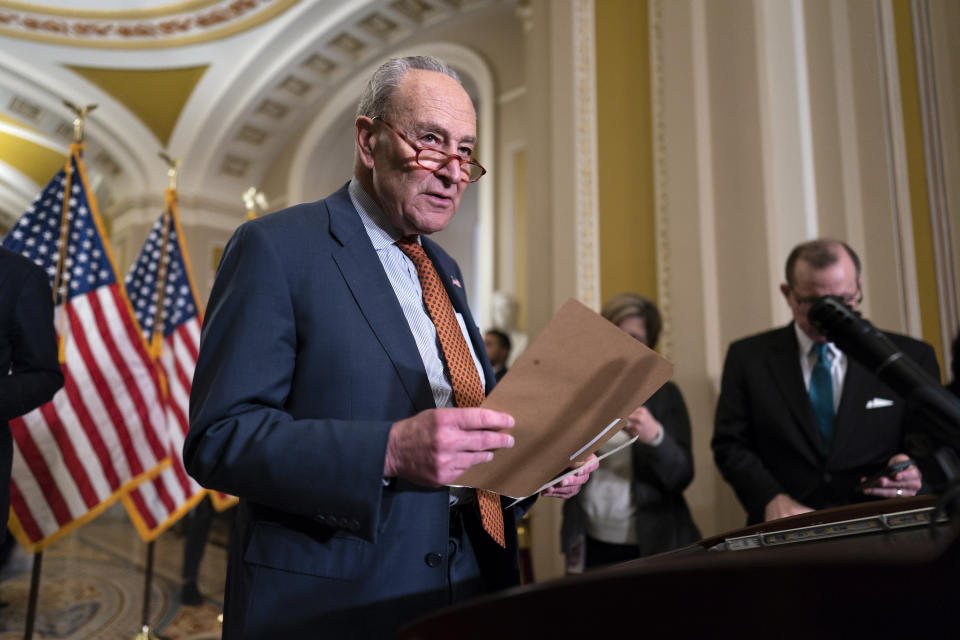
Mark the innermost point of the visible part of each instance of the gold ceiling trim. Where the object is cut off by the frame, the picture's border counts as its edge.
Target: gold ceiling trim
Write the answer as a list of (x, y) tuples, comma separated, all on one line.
[(229, 18), (173, 8)]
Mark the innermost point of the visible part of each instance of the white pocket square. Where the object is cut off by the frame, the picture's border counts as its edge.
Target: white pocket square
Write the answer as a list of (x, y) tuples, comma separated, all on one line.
[(878, 403)]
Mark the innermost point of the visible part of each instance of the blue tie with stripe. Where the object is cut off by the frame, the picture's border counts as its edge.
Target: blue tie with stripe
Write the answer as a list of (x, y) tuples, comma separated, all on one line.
[(821, 393)]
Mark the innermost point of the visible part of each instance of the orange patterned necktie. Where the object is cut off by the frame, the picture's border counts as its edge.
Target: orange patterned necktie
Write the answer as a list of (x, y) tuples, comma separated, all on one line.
[(467, 388)]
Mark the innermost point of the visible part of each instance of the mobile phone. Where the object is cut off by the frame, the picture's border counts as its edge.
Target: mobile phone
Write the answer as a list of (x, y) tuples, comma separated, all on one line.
[(889, 471)]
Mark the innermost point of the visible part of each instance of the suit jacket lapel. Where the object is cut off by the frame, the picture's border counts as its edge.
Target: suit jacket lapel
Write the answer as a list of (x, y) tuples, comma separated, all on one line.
[(363, 273), (853, 399), (784, 367), (458, 298)]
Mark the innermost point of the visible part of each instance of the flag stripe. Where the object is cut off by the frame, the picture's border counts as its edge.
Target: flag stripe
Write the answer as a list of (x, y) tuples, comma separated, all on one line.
[(41, 471), (86, 374), (184, 370), (188, 484), (180, 390), (19, 506), (111, 396), (53, 460), (149, 380), (137, 496), (163, 494), (190, 333), (72, 409), (70, 458)]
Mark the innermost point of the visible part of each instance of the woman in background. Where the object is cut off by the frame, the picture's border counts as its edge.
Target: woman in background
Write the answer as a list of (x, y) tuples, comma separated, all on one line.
[(633, 505)]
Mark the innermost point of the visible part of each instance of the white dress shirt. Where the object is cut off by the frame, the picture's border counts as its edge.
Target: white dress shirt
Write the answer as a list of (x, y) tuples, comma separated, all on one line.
[(836, 358)]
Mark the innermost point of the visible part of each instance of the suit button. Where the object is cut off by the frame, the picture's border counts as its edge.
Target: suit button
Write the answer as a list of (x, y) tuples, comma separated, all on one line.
[(827, 477), (433, 560)]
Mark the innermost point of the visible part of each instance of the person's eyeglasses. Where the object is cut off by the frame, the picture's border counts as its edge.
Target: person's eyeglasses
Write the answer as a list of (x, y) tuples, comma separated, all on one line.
[(850, 299), (434, 159)]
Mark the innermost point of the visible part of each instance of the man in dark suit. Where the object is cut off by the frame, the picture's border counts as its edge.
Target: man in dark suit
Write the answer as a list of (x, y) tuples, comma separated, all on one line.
[(799, 424), (322, 394), (29, 369), (497, 344)]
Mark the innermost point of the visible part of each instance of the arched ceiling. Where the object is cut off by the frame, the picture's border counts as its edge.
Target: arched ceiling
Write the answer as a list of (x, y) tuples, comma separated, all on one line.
[(226, 85)]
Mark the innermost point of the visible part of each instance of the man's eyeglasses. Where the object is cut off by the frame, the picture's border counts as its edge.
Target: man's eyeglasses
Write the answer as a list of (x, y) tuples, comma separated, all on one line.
[(850, 299), (434, 159)]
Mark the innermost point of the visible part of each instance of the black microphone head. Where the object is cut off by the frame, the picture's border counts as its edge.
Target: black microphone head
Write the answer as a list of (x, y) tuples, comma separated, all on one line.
[(852, 333), (828, 313)]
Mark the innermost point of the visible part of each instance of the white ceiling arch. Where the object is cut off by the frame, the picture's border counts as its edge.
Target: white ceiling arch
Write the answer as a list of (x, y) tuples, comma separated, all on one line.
[(262, 88), (235, 131)]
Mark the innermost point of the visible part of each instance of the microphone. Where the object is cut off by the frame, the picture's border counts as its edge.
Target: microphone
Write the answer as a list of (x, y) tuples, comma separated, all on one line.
[(866, 344)]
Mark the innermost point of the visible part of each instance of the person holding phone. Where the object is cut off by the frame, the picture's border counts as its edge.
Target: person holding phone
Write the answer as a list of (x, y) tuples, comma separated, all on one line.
[(633, 506), (800, 425)]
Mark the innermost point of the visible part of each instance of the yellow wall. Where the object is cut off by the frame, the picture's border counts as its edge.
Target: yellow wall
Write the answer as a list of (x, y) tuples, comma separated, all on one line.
[(37, 162), (155, 96), (917, 171), (628, 260)]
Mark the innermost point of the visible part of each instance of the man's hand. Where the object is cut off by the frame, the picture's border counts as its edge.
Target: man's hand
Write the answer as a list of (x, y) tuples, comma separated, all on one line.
[(570, 486), (783, 506), (435, 446), (642, 423), (904, 483)]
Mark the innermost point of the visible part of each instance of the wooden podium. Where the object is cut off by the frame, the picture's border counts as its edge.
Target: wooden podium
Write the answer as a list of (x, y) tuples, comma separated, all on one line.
[(873, 568)]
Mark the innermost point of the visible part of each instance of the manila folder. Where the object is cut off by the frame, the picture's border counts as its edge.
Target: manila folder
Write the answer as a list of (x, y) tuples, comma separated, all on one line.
[(569, 392)]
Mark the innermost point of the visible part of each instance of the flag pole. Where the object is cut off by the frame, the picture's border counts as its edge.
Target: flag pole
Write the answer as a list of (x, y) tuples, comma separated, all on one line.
[(145, 632), (59, 283), (156, 346), (34, 595), (156, 338), (59, 280)]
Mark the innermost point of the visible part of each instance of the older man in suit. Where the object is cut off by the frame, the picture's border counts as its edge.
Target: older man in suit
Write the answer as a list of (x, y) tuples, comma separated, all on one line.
[(337, 383), (799, 425), (29, 369)]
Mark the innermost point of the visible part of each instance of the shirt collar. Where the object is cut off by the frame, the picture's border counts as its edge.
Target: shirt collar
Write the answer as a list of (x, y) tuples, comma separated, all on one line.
[(382, 233), (806, 343)]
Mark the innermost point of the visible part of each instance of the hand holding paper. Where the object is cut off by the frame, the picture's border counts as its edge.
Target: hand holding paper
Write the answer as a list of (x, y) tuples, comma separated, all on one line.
[(643, 425), (434, 447), (571, 482), (570, 392)]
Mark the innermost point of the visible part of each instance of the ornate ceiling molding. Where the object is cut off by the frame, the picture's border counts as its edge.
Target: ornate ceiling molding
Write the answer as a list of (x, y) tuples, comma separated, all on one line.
[(173, 25)]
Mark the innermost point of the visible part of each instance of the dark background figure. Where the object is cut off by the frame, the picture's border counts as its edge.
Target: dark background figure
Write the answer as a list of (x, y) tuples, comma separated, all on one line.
[(799, 425), (633, 505), (497, 345), (197, 529), (954, 385), (29, 369)]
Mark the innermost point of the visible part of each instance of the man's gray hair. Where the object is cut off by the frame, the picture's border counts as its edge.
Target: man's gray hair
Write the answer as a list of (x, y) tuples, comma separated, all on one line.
[(375, 99)]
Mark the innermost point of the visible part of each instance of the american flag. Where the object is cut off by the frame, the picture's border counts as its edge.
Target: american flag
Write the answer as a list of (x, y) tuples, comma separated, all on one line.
[(161, 277), (104, 431)]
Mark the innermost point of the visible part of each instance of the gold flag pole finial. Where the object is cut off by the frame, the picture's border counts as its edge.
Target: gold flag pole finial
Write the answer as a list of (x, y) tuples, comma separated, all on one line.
[(81, 113), (253, 200), (173, 168)]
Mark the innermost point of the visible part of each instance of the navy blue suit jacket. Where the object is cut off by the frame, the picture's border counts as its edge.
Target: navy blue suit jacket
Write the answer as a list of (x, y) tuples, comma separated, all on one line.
[(766, 439), (306, 360), (29, 369)]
